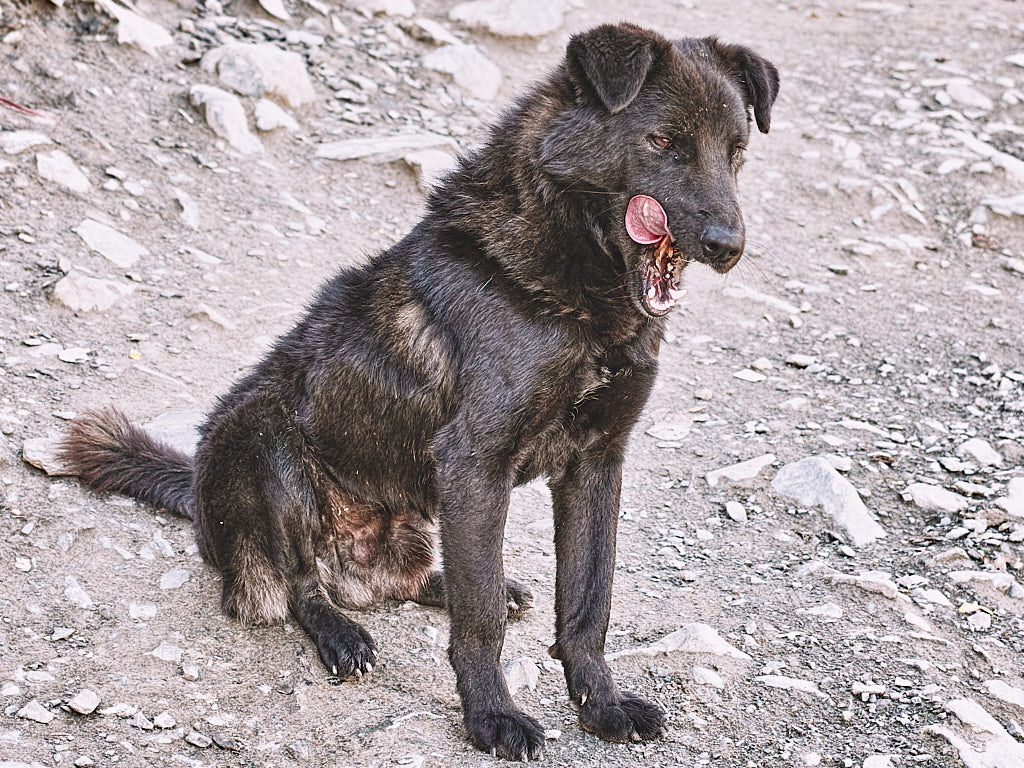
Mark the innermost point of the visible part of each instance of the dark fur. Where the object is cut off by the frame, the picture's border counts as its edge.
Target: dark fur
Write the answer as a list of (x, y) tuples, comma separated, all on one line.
[(500, 340)]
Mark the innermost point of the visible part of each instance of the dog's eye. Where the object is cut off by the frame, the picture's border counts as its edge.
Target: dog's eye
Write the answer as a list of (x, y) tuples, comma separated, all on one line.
[(661, 141), (737, 151)]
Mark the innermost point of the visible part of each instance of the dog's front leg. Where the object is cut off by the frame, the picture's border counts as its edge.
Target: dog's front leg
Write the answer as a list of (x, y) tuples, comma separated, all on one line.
[(474, 503), (586, 507)]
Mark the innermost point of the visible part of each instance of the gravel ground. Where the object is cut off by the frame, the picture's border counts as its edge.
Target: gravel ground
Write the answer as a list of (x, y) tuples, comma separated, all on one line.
[(875, 321)]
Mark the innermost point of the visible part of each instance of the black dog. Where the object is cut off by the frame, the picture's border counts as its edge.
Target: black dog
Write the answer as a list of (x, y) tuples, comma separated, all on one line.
[(513, 333)]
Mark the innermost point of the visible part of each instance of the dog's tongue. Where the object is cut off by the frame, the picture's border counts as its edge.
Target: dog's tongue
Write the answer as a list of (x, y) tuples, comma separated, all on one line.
[(646, 221)]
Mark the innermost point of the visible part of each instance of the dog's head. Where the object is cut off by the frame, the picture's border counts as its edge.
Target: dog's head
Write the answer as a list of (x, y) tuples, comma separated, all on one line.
[(659, 128)]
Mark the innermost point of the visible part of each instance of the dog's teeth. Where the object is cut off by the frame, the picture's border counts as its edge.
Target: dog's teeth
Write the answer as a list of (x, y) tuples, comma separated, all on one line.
[(652, 293), (676, 293)]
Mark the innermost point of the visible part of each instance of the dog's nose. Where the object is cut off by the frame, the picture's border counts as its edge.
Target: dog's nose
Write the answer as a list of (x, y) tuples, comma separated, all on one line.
[(722, 243)]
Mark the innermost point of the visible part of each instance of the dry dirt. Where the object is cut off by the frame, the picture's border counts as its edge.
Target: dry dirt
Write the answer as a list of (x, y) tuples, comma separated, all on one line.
[(900, 291)]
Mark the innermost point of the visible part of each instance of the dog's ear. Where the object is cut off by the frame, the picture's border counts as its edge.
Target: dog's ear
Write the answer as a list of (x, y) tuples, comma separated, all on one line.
[(612, 62), (757, 76)]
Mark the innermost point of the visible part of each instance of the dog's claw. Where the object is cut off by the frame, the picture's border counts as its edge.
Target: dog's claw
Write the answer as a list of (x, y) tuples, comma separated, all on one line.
[(494, 752), (334, 670), (369, 667), (634, 736), (524, 758), (583, 698)]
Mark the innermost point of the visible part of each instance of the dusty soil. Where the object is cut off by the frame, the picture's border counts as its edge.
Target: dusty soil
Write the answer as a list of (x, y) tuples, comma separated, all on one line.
[(897, 287)]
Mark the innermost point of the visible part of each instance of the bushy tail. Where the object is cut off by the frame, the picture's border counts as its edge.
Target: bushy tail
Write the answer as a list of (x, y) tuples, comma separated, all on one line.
[(109, 453)]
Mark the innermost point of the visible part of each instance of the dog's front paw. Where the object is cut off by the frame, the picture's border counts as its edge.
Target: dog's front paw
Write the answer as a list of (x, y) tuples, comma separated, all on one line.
[(626, 718), (510, 734), (349, 652), (518, 598)]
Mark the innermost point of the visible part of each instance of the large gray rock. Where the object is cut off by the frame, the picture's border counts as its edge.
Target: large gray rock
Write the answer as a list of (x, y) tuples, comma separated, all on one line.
[(469, 68), (58, 167), (814, 482), (512, 18), (933, 497), (255, 69), (81, 293), (226, 117), (381, 149), (110, 244), (738, 473)]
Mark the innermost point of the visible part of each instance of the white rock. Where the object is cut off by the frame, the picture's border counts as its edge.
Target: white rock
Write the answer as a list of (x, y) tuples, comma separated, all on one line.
[(933, 497), (168, 652), (385, 7), (814, 482), (189, 207), (825, 611), (673, 427), (878, 761), (512, 18), (141, 611), (1013, 501), (253, 69), (1000, 580), (748, 293), (521, 673), (1006, 206), (1015, 58), (174, 578), (84, 702), (430, 166), (164, 721), (270, 117), (690, 638), (933, 596), (737, 473), (1006, 692), (736, 511), (790, 684), (73, 591), (226, 117), (58, 167), (705, 676), (133, 29), (962, 91), (381, 149), (276, 9), (80, 293), (469, 68), (429, 31), (35, 711), (16, 142), (981, 452), (109, 243), (749, 375), (42, 452)]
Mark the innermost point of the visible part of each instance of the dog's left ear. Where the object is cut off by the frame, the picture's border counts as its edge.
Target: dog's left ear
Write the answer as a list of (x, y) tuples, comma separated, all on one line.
[(612, 62), (757, 76)]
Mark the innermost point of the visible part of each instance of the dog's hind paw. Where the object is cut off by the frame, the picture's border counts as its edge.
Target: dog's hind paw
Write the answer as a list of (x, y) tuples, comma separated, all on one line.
[(511, 734), (518, 597), (629, 718)]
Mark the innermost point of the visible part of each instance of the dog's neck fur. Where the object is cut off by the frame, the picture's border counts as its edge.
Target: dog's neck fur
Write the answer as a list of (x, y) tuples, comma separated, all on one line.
[(518, 215)]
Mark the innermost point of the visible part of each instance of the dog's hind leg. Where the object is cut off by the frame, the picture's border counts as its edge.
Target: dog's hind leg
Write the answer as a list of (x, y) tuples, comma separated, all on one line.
[(518, 598), (345, 648)]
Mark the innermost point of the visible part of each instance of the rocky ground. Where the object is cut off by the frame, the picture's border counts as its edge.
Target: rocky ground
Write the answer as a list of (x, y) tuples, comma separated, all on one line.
[(821, 533)]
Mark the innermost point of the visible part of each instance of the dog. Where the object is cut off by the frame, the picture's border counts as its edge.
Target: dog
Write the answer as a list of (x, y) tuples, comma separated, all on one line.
[(513, 333)]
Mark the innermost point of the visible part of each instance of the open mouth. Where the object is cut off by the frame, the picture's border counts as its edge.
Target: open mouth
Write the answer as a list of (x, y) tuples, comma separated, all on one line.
[(661, 267)]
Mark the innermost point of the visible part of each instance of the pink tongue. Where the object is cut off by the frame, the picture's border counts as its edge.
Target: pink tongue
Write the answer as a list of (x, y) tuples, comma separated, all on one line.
[(646, 221)]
